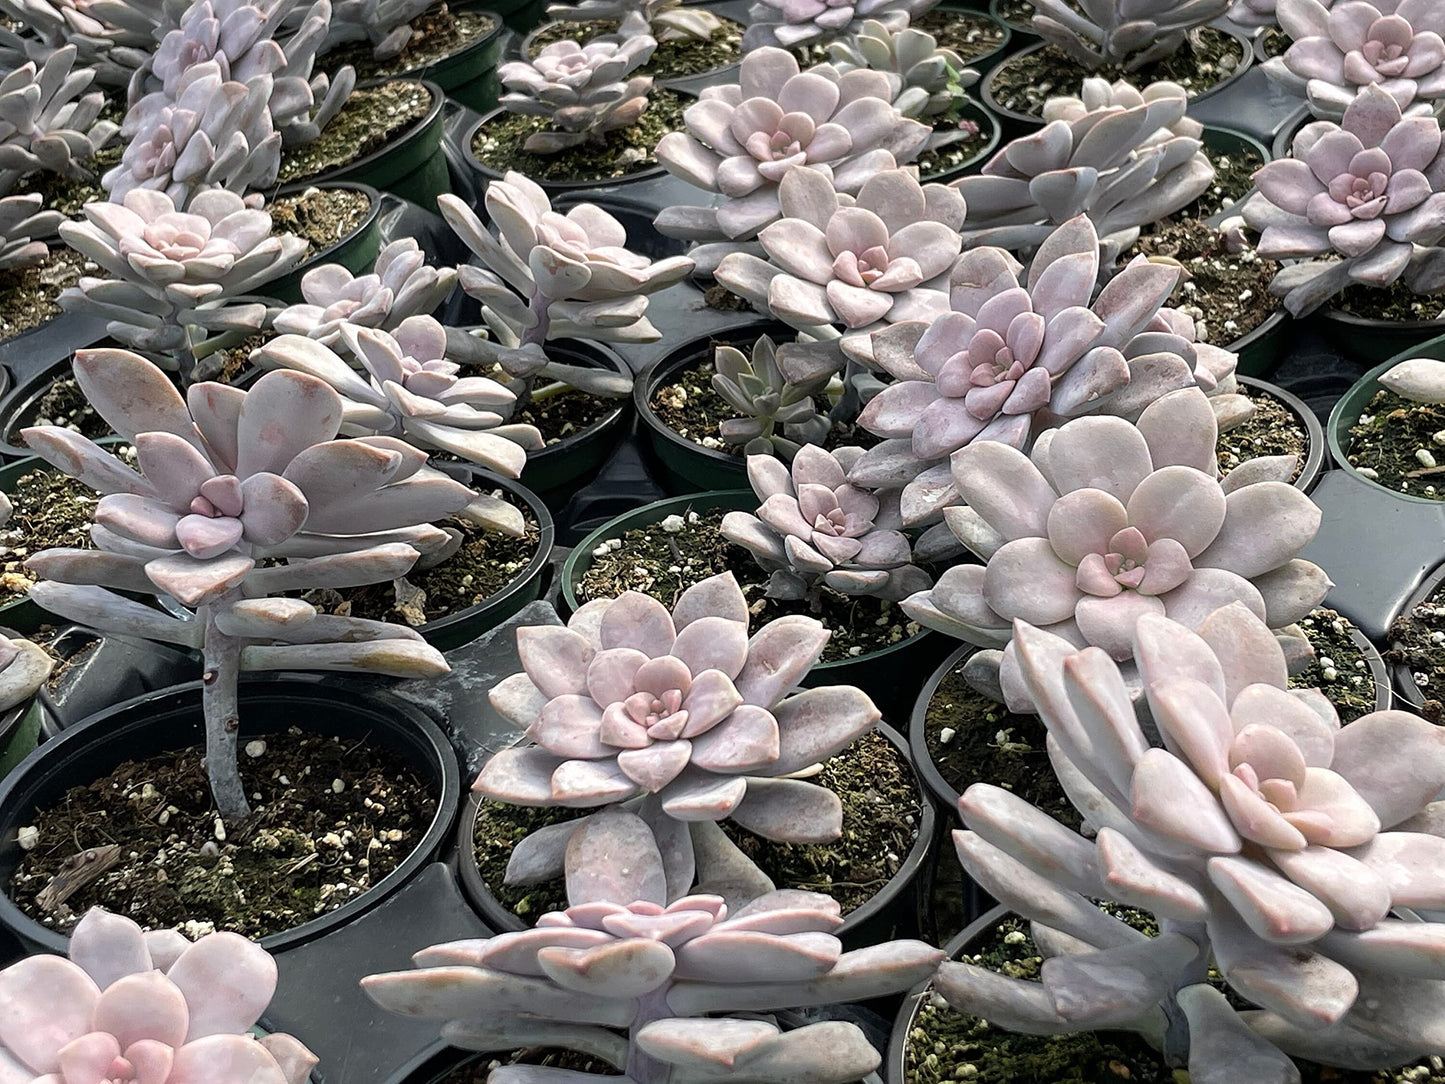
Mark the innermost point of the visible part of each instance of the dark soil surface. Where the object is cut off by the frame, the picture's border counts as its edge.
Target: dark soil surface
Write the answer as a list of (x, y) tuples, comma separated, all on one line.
[(945, 1045), (1396, 302), (435, 35), (1398, 443), (1418, 643), (719, 298), (1226, 293), (1340, 670), (692, 409), (952, 156), (486, 563), (1273, 430), (322, 216), (881, 806), (1233, 178), (69, 195), (28, 294), (370, 119), (566, 413), (51, 509), (1019, 14), (971, 739), (330, 820), (1024, 82), (673, 58), (663, 564), (498, 144), (1275, 41)]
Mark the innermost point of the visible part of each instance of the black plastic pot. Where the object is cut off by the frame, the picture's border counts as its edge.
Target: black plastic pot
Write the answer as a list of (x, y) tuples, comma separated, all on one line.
[(105, 670), (688, 467), (985, 60), (42, 346), (17, 408), (469, 75), (892, 913), (356, 251), (887, 676), (169, 720), (943, 792), (1023, 32), (1315, 457), (411, 166), (560, 469), (895, 1064), (1260, 350), (1370, 341), (1016, 124), (1284, 138), (466, 625), (1403, 677), (986, 121)]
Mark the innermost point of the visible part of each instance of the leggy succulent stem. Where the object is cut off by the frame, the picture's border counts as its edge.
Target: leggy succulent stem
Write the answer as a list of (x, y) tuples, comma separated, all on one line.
[(537, 333), (219, 680), (642, 1068), (1176, 1032)]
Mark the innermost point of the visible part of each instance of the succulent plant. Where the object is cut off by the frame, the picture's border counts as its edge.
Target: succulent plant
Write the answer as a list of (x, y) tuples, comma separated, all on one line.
[(667, 964), (928, 80), (144, 1007), (682, 711), (1254, 14), (175, 274), (1123, 157), (400, 285), (791, 23), (409, 390), (665, 20), (815, 530), (37, 29), (742, 139), (240, 494), (552, 276), (581, 88), (386, 24), (24, 667), (1341, 48), (22, 220), (884, 257), (1106, 33), (239, 38), (47, 123), (1421, 380), (1013, 357), (1359, 202), (778, 415), (1107, 521), (1270, 843), (214, 134)]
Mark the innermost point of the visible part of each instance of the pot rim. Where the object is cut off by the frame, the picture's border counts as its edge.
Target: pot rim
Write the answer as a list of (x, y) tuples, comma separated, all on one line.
[(480, 895), (1402, 678), (943, 791), (1344, 414), (392, 146), (289, 685), (983, 154), (422, 72), (1314, 459), (986, 85), (369, 222)]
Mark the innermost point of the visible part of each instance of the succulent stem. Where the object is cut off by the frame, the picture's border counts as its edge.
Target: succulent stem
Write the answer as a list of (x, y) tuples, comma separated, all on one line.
[(222, 658), (643, 1068)]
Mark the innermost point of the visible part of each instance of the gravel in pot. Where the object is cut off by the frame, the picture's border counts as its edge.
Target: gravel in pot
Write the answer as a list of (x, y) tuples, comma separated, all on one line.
[(371, 118)]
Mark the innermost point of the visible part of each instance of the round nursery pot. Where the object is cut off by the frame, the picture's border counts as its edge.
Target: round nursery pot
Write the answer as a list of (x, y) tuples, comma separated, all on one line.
[(559, 470), (469, 75), (1403, 677), (987, 122), (892, 912), (1261, 350), (887, 675), (1370, 340), (1018, 123), (464, 626), (1023, 31), (688, 467), (170, 720), (1352, 404), (943, 792), (356, 251), (19, 734), (1314, 461), (412, 166)]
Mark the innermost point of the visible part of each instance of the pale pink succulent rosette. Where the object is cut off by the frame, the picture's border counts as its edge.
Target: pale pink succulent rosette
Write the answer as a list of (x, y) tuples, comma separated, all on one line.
[(1361, 201), (835, 260), (143, 1008), (1342, 47), (1268, 841), (646, 985), (1108, 521), (790, 23), (743, 138), (630, 699)]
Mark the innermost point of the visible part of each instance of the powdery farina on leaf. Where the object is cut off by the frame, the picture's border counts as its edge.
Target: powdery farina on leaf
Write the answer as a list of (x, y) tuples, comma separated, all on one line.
[(1106, 522), (1265, 839), (148, 1008)]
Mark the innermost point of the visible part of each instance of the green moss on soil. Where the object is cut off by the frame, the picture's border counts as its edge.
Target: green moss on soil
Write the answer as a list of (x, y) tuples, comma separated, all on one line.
[(673, 58), (371, 118), (1387, 442), (664, 564), (498, 144)]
